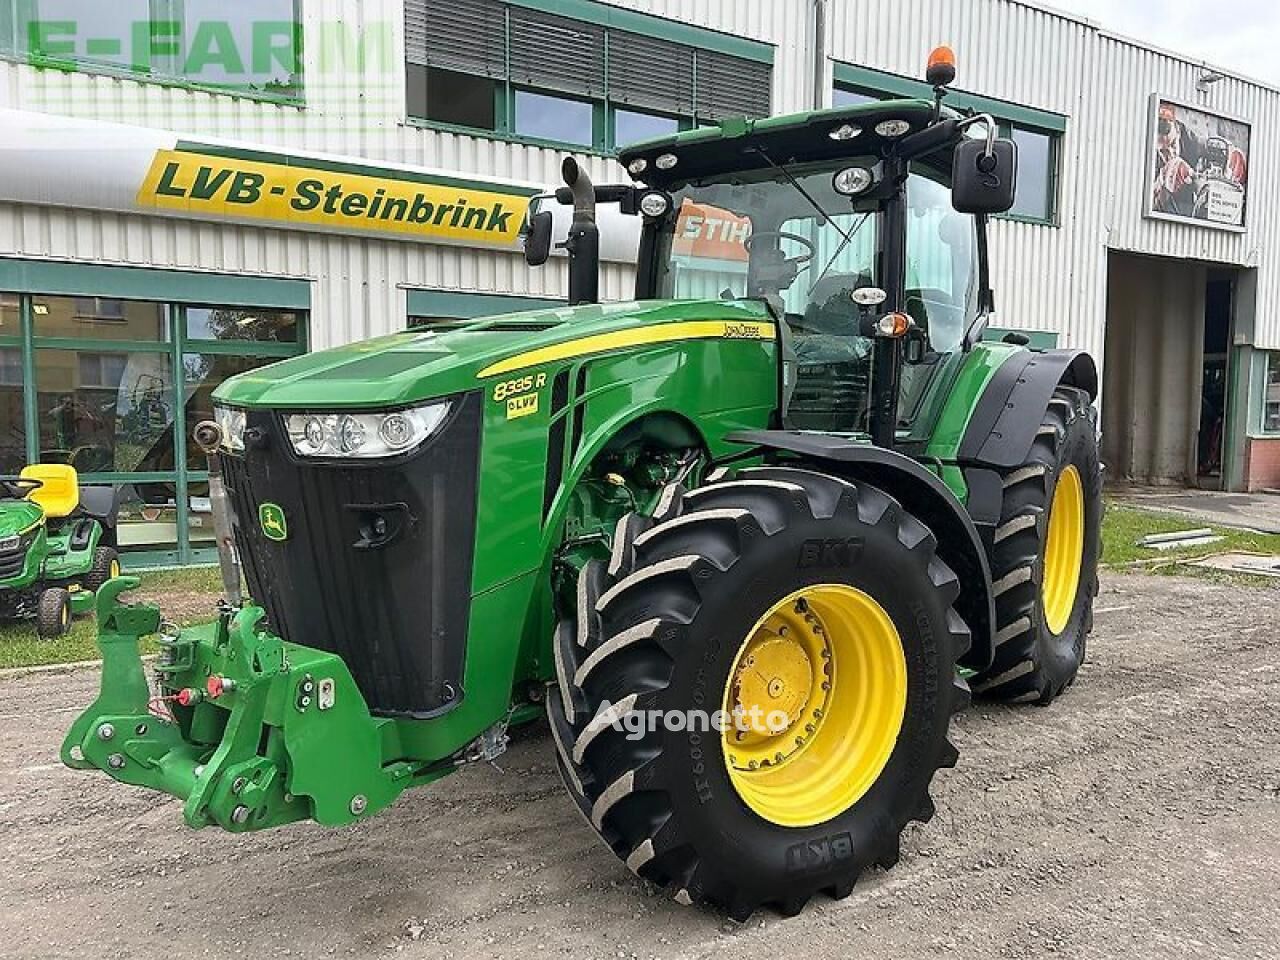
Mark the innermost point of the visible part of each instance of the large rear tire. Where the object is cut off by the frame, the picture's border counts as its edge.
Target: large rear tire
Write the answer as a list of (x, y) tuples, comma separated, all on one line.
[(785, 587), (1045, 561)]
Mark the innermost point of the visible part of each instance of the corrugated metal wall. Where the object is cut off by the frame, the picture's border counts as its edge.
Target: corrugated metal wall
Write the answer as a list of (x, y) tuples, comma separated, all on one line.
[(1049, 278), (1054, 278)]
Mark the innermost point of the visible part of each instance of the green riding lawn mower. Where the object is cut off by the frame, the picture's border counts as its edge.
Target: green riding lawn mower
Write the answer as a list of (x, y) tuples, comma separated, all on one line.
[(56, 546), (747, 542)]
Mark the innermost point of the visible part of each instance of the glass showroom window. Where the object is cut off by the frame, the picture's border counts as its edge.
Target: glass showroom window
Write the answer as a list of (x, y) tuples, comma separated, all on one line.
[(13, 426), (117, 385), (1271, 396)]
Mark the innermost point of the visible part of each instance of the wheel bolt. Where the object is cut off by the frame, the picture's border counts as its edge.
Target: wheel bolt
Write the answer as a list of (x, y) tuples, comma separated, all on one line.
[(106, 732), (115, 761), (240, 814)]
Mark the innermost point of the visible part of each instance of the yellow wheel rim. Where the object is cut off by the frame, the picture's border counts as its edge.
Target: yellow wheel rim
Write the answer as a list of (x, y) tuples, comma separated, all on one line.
[(115, 568), (1063, 551), (66, 617), (814, 704)]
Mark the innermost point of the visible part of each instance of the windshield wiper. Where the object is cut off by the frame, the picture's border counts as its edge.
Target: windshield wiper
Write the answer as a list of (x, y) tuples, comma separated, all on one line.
[(825, 217), (848, 239)]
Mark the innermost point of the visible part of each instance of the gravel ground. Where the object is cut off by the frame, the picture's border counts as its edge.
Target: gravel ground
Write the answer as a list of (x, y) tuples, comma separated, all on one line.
[(1138, 817)]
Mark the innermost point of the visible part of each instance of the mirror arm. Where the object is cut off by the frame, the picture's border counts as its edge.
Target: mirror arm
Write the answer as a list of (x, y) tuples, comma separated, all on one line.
[(986, 297)]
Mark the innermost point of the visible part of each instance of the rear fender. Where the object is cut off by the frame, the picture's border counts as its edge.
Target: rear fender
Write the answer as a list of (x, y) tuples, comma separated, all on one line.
[(925, 496)]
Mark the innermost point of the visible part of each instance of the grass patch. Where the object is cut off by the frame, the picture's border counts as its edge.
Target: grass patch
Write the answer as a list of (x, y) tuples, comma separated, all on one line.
[(1122, 527), (187, 595)]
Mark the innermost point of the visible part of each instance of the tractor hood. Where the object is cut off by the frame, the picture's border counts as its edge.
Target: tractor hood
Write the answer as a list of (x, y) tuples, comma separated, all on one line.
[(407, 368), (18, 517)]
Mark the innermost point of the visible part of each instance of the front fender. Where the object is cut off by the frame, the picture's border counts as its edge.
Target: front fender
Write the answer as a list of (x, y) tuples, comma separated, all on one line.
[(925, 496), (1008, 414)]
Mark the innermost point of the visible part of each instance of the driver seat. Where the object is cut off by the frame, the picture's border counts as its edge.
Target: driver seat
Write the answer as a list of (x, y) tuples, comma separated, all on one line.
[(60, 495)]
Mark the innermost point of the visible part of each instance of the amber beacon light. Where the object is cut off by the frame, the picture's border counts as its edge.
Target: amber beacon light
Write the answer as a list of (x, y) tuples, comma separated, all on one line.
[(942, 66)]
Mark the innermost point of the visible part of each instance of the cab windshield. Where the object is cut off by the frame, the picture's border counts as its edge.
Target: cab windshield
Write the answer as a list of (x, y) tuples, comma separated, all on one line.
[(787, 237)]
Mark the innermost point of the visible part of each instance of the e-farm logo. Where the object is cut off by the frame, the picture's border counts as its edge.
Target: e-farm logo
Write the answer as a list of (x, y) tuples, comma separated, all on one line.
[(206, 181), (248, 50)]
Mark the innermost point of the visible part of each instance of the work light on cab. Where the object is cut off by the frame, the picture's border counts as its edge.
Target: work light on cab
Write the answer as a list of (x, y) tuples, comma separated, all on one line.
[(889, 129), (362, 435), (852, 181)]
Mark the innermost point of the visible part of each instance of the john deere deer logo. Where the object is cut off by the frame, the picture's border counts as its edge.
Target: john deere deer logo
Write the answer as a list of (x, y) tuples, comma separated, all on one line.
[(271, 519)]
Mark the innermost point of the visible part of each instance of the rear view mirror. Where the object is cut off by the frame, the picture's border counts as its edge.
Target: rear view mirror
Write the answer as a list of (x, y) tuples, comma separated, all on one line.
[(537, 238), (983, 182)]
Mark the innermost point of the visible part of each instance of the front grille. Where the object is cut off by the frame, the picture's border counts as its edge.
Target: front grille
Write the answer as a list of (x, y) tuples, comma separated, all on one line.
[(13, 560), (397, 614)]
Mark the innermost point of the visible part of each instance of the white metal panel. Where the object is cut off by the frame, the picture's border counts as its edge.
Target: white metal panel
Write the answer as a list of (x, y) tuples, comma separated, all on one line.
[(1049, 278)]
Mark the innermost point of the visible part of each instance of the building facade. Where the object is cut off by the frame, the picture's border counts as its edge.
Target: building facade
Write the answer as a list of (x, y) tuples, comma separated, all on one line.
[(144, 258)]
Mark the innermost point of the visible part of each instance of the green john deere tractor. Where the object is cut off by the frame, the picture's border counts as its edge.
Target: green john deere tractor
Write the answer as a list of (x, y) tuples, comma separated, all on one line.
[(56, 546), (745, 541)]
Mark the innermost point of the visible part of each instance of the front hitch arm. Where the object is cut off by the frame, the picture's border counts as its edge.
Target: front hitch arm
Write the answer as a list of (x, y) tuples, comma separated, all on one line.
[(254, 732)]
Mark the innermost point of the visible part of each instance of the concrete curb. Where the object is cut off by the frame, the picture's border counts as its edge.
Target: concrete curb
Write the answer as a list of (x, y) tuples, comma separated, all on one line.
[(16, 673)]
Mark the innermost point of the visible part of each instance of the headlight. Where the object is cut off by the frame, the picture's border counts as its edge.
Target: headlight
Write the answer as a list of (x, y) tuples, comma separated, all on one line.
[(232, 423), (364, 435)]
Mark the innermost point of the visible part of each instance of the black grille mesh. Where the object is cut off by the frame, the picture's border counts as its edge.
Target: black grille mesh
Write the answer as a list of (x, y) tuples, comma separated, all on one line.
[(397, 615)]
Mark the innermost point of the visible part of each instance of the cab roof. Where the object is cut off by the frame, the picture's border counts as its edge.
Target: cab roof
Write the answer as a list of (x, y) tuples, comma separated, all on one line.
[(792, 138)]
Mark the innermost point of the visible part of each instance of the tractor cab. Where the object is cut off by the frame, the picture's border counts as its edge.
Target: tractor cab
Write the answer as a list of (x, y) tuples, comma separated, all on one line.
[(862, 228)]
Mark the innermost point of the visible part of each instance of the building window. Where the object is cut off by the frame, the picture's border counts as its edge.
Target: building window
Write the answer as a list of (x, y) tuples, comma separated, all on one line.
[(432, 307), (547, 117), (1271, 396), (117, 386), (848, 96), (630, 126), (1036, 133), (119, 319), (247, 49), (1037, 173), (585, 80)]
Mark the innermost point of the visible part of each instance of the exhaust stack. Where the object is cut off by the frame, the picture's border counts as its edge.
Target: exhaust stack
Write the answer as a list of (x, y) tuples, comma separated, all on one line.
[(583, 244)]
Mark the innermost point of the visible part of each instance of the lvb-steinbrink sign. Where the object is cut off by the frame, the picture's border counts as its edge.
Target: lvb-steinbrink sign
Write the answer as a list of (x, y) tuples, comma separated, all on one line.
[(59, 161)]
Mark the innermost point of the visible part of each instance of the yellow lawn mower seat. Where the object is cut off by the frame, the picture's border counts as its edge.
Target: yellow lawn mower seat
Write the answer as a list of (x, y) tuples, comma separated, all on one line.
[(60, 495)]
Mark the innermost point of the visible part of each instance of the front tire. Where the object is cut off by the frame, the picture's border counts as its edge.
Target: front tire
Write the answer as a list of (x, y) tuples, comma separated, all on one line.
[(53, 613), (695, 611), (1045, 560)]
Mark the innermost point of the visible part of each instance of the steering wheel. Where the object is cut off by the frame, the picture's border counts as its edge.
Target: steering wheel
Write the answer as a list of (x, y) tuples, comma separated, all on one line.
[(17, 488), (809, 249)]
